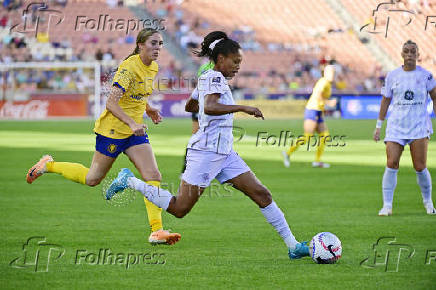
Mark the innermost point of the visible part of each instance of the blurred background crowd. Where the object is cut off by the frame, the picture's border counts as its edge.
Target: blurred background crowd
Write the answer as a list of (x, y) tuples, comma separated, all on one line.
[(280, 57)]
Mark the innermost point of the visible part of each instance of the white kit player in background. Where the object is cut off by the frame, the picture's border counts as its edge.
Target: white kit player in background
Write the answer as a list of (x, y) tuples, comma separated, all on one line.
[(210, 150), (407, 91)]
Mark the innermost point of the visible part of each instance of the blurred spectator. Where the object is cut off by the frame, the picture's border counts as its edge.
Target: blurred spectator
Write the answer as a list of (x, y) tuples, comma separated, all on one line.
[(191, 40), (86, 37), (62, 3), (99, 54), (108, 55), (65, 43), (94, 38), (4, 20), (341, 84), (19, 42), (129, 39), (42, 37), (112, 3)]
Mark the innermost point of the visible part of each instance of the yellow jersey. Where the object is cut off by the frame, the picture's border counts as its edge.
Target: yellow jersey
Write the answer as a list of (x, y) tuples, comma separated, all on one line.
[(321, 92), (136, 80)]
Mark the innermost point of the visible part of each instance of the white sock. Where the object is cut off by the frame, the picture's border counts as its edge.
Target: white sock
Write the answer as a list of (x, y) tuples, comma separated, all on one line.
[(276, 218), (389, 183), (424, 181), (156, 195)]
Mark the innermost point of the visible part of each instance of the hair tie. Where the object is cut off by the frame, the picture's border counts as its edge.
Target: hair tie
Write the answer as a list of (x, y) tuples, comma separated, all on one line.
[(212, 45)]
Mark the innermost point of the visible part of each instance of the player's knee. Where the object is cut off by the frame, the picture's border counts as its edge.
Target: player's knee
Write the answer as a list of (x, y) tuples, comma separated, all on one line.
[(419, 167), (181, 212), (394, 164)]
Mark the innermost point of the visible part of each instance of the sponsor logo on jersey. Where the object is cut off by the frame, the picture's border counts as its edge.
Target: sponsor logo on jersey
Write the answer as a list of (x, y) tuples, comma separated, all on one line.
[(138, 96), (408, 95)]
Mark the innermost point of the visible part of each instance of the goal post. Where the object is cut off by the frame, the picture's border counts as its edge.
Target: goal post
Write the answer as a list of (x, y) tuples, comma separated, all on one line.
[(20, 93)]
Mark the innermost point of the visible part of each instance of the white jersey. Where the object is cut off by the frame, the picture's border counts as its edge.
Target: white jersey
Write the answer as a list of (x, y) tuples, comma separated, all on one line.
[(194, 94), (408, 117), (215, 132)]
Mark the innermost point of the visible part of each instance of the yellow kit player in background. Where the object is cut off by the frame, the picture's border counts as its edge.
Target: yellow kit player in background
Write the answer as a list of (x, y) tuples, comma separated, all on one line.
[(120, 128), (314, 118)]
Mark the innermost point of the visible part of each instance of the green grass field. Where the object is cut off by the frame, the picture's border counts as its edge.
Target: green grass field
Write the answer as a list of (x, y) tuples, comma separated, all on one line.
[(226, 243)]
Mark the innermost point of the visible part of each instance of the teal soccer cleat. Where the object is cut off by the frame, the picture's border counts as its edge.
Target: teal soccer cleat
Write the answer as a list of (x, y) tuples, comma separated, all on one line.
[(301, 250), (119, 183)]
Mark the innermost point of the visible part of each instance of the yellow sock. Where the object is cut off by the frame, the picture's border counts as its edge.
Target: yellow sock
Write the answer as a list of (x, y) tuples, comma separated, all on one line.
[(154, 213), (300, 141), (321, 146), (72, 171)]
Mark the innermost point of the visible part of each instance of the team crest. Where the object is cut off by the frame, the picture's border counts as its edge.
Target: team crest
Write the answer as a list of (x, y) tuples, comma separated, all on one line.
[(408, 95), (112, 148)]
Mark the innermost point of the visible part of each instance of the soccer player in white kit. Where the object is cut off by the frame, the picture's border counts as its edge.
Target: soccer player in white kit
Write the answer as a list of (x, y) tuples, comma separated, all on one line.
[(210, 150), (406, 90)]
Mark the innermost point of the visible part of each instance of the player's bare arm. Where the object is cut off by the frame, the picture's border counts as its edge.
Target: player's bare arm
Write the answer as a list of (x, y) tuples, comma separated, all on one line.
[(113, 107), (381, 116), (331, 102), (433, 97), (154, 114), (191, 106), (212, 107)]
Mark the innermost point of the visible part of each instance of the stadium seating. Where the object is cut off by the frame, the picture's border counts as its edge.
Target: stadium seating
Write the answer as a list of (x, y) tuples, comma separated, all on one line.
[(283, 32), (310, 37)]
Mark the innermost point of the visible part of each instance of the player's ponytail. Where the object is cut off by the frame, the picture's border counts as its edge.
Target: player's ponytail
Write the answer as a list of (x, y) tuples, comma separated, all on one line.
[(217, 42), (142, 37)]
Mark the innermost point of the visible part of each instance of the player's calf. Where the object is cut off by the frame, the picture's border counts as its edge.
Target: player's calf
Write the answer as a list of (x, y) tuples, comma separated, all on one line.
[(260, 195)]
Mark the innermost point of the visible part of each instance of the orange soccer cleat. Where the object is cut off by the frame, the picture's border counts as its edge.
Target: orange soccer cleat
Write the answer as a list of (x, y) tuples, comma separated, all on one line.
[(164, 237), (38, 169)]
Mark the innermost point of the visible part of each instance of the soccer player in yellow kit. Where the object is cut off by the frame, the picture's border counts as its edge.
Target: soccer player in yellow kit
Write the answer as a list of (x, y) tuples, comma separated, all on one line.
[(314, 118), (120, 128)]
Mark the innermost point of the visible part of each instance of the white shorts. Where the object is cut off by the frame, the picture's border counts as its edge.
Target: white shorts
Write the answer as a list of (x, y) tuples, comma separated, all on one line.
[(402, 142), (203, 166)]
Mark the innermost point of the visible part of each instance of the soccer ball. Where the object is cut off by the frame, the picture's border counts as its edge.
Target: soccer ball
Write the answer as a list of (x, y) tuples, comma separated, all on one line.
[(325, 248)]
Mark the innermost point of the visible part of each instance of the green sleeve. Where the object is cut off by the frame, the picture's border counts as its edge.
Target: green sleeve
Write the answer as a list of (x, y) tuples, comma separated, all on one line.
[(205, 67)]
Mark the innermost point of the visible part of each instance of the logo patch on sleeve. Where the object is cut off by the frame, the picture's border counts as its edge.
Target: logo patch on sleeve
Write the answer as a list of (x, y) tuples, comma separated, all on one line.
[(216, 79)]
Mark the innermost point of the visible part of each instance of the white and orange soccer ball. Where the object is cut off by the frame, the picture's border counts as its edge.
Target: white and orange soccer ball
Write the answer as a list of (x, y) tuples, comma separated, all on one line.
[(325, 248)]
